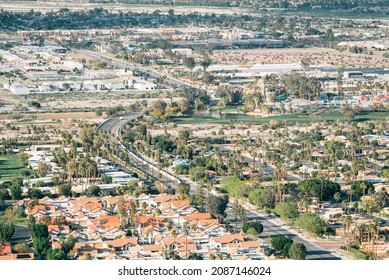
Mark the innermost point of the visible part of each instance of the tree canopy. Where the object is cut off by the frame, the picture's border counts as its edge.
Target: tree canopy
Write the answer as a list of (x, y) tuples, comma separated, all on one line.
[(311, 223), (322, 189), (216, 205), (282, 244), (7, 230), (297, 251), (286, 210), (256, 226), (360, 188)]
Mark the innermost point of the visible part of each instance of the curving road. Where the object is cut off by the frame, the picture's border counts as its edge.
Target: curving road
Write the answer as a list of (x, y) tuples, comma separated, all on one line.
[(22, 235), (115, 126)]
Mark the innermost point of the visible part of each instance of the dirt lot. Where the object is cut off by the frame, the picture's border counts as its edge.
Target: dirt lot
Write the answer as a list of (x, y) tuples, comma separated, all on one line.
[(44, 6), (83, 100), (63, 116), (316, 56), (331, 245)]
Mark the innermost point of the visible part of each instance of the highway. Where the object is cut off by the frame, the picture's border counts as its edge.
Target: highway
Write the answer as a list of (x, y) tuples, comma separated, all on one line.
[(114, 126), (272, 227)]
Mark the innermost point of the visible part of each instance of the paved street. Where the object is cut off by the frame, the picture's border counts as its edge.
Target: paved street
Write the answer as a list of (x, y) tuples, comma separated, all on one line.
[(22, 235), (115, 125), (272, 229)]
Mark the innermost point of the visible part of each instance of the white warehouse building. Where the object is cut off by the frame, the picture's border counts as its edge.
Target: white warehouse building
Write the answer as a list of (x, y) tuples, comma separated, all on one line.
[(141, 85)]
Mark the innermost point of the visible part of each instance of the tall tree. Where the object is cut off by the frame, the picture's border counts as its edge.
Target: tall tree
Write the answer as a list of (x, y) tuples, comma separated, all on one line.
[(216, 205), (7, 230), (297, 251), (183, 190)]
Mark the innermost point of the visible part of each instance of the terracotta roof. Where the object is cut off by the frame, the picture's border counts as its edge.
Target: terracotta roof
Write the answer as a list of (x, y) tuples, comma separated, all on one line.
[(58, 213), (56, 245), (228, 238), (122, 242), (249, 244), (107, 221), (201, 234), (23, 256), (110, 199), (46, 200), (164, 198), (37, 208), (111, 256), (213, 227), (149, 219), (243, 257), (189, 247), (86, 203), (198, 216), (180, 203), (132, 255), (5, 249), (233, 245), (205, 223), (53, 228), (233, 251), (152, 248)]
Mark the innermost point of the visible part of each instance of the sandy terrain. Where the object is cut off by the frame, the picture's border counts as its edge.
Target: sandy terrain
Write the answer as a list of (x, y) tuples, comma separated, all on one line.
[(63, 116), (83, 100), (330, 245), (96, 103), (316, 56), (56, 5), (206, 130)]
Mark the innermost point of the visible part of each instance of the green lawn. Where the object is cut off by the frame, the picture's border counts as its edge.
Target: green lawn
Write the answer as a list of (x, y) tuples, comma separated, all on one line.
[(10, 168), (355, 253), (295, 118), (230, 109)]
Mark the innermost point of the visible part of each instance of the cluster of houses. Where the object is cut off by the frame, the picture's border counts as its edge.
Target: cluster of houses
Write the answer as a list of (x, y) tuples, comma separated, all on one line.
[(42, 154), (154, 231), (376, 155)]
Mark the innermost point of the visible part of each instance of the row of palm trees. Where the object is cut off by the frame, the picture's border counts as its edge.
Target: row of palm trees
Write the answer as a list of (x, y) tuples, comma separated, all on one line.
[(365, 234)]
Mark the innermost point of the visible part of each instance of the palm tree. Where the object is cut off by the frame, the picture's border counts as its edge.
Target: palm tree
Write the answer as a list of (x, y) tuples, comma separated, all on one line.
[(346, 221), (360, 230), (253, 154), (185, 230), (373, 230), (193, 227), (173, 233), (337, 198), (219, 256), (212, 256)]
